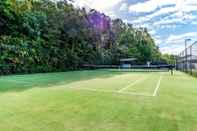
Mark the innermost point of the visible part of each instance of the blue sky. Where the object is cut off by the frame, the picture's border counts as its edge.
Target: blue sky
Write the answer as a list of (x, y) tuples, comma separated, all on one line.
[(168, 21)]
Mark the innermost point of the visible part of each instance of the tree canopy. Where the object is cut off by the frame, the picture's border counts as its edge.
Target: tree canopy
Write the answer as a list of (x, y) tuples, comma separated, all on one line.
[(44, 36)]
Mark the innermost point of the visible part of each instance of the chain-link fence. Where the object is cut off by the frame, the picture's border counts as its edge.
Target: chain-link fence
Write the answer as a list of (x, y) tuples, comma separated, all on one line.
[(187, 60)]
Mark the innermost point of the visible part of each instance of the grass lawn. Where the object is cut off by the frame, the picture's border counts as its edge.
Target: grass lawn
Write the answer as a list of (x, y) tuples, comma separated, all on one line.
[(98, 100)]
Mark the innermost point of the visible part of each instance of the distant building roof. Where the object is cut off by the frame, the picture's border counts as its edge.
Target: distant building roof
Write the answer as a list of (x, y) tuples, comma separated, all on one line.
[(128, 59)]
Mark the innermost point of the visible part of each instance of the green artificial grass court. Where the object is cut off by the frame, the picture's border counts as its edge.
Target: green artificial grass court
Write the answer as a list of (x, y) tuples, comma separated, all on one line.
[(98, 100)]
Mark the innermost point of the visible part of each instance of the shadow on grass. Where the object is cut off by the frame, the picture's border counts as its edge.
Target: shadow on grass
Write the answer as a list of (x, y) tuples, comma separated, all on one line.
[(17, 83)]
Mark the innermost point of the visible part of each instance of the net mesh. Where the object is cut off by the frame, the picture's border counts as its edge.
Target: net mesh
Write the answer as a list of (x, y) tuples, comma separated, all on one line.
[(132, 68), (187, 60)]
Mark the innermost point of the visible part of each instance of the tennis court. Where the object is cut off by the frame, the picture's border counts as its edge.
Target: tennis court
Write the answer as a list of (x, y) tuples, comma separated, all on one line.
[(97, 100), (145, 84)]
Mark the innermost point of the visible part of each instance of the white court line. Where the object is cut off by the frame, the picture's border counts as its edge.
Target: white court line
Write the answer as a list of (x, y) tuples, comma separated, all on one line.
[(157, 86), (132, 84), (108, 91)]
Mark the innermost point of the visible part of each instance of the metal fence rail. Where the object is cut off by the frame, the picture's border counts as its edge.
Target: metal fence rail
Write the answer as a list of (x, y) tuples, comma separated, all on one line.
[(187, 60)]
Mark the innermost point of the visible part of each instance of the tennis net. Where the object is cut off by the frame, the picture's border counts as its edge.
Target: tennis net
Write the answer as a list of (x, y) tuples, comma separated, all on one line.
[(133, 68)]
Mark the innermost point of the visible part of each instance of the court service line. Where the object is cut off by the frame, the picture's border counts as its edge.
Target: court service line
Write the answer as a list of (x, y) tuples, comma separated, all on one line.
[(108, 91), (157, 86), (132, 84)]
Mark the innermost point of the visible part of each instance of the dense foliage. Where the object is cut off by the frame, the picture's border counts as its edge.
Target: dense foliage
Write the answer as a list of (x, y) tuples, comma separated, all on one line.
[(43, 36), (169, 59)]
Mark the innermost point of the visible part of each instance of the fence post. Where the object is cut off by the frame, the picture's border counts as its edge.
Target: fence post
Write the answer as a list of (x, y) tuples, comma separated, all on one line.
[(186, 55), (191, 59)]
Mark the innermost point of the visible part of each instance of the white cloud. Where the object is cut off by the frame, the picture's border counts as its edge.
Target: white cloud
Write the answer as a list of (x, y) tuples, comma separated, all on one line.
[(112, 14), (127, 21), (124, 7), (158, 41), (165, 2), (168, 22), (101, 5), (172, 49), (177, 14), (191, 35), (147, 6), (191, 2), (152, 32), (151, 5), (174, 44), (104, 6), (141, 19), (162, 11), (194, 22), (189, 8), (180, 12), (180, 7)]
